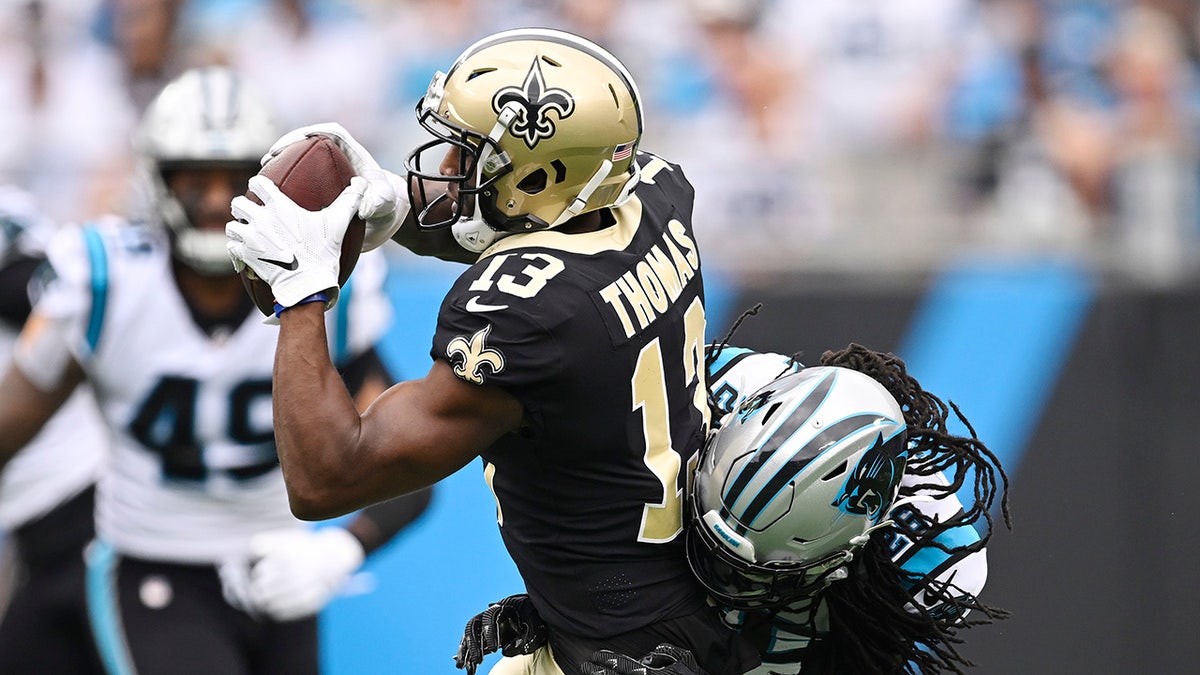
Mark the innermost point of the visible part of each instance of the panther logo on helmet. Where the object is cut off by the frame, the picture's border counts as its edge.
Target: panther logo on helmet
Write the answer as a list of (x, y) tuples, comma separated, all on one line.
[(872, 485), (535, 102)]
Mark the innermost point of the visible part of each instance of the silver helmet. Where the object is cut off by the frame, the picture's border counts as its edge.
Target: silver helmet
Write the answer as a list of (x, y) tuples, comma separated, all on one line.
[(791, 484), (207, 117)]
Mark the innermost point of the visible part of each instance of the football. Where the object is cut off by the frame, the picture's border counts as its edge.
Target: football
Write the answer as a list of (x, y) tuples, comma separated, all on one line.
[(312, 172)]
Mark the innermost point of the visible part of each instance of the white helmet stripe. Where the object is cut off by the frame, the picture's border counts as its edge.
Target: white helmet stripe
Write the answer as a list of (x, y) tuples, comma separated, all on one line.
[(791, 420)]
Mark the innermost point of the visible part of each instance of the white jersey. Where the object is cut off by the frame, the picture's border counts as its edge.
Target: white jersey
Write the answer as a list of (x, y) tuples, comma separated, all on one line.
[(733, 376), (65, 456), (194, 472)]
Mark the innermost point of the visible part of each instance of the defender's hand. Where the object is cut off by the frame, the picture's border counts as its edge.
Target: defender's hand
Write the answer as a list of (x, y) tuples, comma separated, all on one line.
[(295, 573), (384, 205), (511, 625), (665, 659), (297, 252)]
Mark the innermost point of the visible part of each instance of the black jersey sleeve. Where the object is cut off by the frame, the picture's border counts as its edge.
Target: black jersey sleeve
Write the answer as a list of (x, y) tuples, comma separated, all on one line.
[(497, 325)]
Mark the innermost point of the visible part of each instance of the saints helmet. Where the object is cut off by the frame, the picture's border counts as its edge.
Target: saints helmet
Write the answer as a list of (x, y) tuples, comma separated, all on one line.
[(546, 124), (207, 117), (791, 483)]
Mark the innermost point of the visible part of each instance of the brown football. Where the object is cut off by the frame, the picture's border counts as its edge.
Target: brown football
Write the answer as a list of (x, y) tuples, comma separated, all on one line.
[(312, 172)]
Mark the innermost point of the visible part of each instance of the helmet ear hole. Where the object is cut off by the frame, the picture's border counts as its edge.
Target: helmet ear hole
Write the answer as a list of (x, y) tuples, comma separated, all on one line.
[(533, 183), (835, 472)]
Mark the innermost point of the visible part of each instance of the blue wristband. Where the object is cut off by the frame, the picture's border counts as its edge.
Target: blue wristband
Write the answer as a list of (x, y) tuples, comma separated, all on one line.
[(319, 296)]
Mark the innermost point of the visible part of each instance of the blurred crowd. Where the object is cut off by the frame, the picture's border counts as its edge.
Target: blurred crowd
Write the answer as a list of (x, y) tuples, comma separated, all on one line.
[(818, 133)]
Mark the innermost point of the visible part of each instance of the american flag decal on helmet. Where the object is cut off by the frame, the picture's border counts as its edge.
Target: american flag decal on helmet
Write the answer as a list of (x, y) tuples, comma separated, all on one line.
[(622, 151)]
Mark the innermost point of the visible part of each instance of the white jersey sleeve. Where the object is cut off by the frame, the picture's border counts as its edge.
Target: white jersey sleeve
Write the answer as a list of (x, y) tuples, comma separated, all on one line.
[(734, 373), (67, 454)]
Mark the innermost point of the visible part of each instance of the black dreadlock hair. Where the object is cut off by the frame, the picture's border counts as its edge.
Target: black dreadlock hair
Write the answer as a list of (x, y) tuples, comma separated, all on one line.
[(875, 626)]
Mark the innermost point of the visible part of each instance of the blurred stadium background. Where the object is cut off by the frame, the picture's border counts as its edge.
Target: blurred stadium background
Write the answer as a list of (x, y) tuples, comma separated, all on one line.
[(1003, 192)]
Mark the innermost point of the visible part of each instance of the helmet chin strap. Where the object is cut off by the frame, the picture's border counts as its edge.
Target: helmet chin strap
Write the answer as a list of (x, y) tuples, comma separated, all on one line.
[(578, 204), (474, 233)]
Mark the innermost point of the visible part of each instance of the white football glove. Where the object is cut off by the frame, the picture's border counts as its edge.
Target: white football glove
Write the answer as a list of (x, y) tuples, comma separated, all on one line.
[(384, 204), (296, 251), (295, 573)]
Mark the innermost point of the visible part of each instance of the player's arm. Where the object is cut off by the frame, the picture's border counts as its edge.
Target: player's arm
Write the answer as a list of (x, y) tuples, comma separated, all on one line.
[(367, 377), (434, 243), (418, 432), (334, 459), (25, 407)]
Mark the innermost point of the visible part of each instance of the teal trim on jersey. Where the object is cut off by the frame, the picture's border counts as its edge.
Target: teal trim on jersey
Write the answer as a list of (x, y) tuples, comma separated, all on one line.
[(99, 263), (726, 355), (930, 558), (993, 338), (341, 323), (103, 611)]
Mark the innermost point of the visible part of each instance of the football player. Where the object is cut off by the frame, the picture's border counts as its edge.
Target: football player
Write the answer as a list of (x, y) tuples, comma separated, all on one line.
[(823, 524), (569, 355), (47, 490), (875, 564), (198, 565)]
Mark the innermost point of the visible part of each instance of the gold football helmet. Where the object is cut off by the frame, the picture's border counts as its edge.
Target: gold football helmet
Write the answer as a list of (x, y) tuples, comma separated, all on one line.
[(541, 125)]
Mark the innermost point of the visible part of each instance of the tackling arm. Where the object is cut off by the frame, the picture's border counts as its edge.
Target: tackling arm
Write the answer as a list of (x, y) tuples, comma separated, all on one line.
[(418, 432)]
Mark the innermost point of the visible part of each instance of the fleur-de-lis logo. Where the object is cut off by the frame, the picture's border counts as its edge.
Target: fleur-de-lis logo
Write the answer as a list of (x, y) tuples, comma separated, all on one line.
[(535, 101), (475, 355)]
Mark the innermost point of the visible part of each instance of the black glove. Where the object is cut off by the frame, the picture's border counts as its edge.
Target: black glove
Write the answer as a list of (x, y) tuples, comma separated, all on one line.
[(665, 659), (511, 625)]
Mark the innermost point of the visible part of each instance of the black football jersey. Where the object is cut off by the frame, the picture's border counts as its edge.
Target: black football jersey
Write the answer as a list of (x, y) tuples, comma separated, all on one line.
[(601, 337)]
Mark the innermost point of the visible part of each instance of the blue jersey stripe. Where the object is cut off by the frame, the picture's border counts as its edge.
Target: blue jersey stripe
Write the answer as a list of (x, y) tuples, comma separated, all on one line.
[(99, 263), (103, 609), (930, 557)]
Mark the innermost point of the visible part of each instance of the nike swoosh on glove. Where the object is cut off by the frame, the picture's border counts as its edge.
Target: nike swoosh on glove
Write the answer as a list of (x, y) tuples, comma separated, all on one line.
[(295, 573), (665, 659), (297, 252), (384, 205)]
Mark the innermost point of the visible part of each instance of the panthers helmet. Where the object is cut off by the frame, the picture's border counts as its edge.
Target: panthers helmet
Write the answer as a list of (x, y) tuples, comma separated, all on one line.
[(546, 124), (791, 484), (207, 117)]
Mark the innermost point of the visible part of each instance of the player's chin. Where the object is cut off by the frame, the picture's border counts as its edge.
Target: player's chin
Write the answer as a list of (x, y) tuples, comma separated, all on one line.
[(214, 222), (434, 201)]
